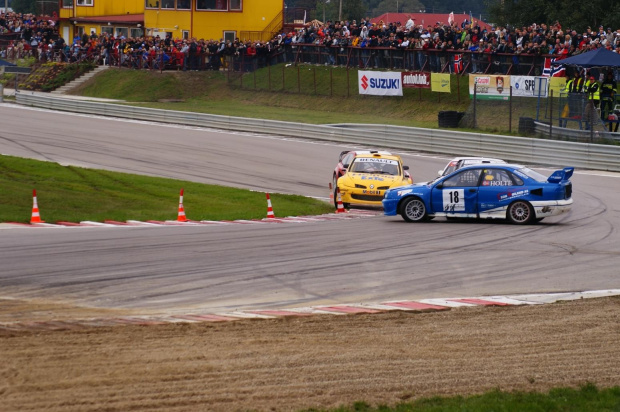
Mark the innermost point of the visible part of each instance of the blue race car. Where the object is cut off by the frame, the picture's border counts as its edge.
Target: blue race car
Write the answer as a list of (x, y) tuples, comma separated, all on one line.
[(487, 191)]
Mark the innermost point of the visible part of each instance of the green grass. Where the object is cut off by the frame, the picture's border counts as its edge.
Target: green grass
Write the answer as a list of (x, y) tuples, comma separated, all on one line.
[(585, 399), (73, 194), (211, 92)]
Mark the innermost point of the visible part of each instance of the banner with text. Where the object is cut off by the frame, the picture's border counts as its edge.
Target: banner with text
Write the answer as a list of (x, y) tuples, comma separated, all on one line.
[(417, 80), (489, 87), (529, 86), (380, 83), (440, 82)]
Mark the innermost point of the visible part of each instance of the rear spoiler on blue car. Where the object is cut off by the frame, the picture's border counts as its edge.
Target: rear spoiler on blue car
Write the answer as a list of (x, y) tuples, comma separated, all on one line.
[(561, 175)]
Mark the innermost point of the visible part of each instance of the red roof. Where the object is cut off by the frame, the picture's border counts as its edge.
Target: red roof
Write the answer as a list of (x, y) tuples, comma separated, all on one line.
[(117, 19), (427, 19)]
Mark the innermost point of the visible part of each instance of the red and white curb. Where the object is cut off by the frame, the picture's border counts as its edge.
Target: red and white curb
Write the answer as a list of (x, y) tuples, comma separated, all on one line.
[(424, 305), (352, 214)]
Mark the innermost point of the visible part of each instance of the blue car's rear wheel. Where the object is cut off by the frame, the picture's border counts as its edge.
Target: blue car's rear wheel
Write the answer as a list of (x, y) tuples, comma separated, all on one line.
[(414, 210), (520, 213)]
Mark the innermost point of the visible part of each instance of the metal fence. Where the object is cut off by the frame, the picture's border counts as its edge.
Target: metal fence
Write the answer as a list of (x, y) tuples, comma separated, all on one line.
[(518, 149), (572, 117)]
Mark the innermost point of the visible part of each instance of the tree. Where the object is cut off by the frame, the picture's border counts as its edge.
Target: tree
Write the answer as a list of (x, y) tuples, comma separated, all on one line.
[(24, 6), (397, 6), (570, 13)]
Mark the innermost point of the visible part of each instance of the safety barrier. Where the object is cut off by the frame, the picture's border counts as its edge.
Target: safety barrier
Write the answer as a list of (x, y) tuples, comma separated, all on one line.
[(449, 142)]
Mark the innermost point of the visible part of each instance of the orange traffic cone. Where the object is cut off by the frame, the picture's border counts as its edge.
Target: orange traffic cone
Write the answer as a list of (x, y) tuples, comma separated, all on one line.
[(181, 217), (36, 218), (340, 208), (270, 214), (331, 194)]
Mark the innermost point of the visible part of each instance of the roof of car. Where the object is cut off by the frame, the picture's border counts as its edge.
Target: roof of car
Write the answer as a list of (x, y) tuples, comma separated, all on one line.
[(481, 158), (380, 155), (492, 165), (365, 152)]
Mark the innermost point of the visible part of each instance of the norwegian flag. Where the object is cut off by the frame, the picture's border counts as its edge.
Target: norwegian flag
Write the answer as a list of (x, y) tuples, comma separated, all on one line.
[(551, 70), (458, 63)]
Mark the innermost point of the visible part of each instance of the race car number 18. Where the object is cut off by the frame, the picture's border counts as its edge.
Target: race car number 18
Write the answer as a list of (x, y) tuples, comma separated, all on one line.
[(454, 200)]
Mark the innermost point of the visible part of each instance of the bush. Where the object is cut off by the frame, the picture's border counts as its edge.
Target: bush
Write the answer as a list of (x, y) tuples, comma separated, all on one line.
[(50, 76)]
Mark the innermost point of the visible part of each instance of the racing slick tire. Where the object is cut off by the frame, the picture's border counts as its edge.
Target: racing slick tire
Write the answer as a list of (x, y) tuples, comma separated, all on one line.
[(520, 213), (413, 210)]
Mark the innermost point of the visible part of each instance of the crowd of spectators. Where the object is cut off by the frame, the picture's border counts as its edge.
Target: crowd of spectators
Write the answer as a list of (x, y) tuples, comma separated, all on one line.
[(405, 45)]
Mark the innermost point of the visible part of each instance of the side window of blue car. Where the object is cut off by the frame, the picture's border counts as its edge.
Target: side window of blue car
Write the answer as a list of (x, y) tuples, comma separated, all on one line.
[(466, 178)]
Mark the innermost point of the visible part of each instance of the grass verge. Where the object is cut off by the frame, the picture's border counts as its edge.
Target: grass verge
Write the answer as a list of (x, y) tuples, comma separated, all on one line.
[(584, 399), (211, 92), (73, 194)]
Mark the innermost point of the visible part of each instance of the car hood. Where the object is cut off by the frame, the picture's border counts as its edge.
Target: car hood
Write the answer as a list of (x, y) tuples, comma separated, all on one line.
[(367, 179)]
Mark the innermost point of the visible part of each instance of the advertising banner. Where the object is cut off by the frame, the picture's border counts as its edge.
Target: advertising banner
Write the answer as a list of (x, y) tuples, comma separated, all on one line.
[(529, 86), (417, 80), (490, 87), (556, 85), (440, 82), (380, 83)]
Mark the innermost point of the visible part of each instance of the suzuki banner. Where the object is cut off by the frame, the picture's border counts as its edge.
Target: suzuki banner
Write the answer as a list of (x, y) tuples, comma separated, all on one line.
[(490, 87), (417, 80), (380, 83), (529, 86)]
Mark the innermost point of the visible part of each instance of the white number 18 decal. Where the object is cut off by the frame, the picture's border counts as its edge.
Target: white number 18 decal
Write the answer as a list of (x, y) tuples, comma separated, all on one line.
[(454, 200)]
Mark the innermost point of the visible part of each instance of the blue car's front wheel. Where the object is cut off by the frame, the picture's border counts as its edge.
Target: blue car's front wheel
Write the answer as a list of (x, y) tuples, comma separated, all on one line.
[(413, 210)]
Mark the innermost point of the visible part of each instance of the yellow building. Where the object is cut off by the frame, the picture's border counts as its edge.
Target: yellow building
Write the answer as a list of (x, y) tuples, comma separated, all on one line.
[(203, 19)]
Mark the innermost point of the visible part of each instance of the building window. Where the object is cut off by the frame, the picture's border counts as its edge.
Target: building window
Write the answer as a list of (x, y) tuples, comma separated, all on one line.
[(235, 5), (185, 34), (230, 36), (85, 2), (184, 4), (136, 32), (167, 4), (219, 5), (121, 31), (107, 30), (151, 4), (67, 4)]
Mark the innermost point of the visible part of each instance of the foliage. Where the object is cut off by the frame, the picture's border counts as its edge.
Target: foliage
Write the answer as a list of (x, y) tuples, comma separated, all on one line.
[(351, 9), (570, 13), (397, 6), (8, 79), (24, 6), (372, 8), (50, 76)]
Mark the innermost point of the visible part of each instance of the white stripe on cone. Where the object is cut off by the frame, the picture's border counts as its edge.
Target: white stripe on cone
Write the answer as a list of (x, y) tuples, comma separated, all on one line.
[(35, 217), (340, 208), (270, 214), (181, 216)]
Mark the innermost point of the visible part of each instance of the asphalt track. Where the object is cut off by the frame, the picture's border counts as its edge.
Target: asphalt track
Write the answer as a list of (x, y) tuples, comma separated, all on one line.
[(264, 266)]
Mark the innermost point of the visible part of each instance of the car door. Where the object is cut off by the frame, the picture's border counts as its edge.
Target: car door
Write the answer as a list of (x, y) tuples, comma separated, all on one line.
[(497, 187), (457, 195)]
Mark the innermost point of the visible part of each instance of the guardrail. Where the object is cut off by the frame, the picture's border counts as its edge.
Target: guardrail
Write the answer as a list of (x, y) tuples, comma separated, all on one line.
[(449, 142)]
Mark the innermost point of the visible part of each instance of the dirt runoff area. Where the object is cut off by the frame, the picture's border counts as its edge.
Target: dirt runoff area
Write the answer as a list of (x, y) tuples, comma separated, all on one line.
[(289, 364)]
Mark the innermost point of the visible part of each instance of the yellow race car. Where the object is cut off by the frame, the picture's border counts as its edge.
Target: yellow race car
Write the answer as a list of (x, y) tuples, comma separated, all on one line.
[(368, 176)]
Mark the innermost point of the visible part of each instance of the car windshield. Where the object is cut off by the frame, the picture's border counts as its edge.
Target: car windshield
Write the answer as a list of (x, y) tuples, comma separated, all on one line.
[(532, 174), (375, 165), (450, 168)]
